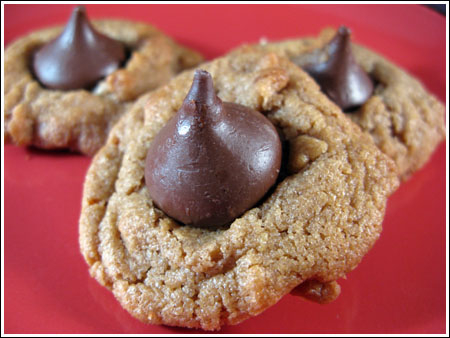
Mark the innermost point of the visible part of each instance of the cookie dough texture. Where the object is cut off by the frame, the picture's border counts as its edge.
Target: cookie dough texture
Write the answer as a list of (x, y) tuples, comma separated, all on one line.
[(314, 227), (79, 119), (405, 121)]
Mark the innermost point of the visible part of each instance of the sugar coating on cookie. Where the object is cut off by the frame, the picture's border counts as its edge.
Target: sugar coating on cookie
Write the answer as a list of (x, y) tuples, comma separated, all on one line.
[(80, 119), (405, 121), (314, 227)]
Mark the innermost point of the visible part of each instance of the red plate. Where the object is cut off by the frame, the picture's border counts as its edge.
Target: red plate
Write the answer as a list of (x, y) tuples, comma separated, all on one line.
[(400, 286)]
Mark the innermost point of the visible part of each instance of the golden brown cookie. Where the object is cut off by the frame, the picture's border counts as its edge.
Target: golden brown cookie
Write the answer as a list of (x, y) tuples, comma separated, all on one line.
[(80, 119), (405, 121), (316, 225)]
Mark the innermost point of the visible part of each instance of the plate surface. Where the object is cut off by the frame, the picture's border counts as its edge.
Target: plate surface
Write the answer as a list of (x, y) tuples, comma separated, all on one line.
[(400, 286)]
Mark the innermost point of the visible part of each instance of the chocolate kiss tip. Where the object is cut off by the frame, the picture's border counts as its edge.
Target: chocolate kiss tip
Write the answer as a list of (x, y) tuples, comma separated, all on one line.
[(80, 8), (341, 39), (78, 13), (202, 89), (344, 30), (201, 73)]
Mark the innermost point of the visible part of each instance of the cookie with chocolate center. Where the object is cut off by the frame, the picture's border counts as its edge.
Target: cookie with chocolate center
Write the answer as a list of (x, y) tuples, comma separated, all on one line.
[(312, 226), (66, 87), (405, 121)]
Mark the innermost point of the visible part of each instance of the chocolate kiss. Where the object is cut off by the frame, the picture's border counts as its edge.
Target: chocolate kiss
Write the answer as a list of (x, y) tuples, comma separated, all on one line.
[(213, 160), (340, 77), (77, 58)]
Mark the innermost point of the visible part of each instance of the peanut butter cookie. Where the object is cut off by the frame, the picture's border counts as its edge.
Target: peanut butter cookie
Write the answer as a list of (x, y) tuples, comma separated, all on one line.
[(315, 225), (80, 119), (405, 121)]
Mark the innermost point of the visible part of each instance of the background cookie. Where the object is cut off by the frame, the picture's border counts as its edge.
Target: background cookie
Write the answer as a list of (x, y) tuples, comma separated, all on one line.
[(80, 119), (405, 121), (317, 224)]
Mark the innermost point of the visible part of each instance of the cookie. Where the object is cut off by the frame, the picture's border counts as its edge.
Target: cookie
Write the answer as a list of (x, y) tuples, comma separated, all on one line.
[(313, 227), (405, 121), (81, 119)]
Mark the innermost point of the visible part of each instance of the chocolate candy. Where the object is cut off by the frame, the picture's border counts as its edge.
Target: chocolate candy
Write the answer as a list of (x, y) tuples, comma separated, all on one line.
[(340, 77), (77, 58), (213, 160)]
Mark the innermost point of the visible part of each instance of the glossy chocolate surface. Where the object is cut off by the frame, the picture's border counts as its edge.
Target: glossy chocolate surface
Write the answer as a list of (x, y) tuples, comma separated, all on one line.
[(77, 58), (213, 160), (340, 77)]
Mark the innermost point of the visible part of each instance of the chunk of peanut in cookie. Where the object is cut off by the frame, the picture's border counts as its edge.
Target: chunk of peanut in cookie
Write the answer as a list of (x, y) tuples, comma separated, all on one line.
[(302, 150)]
